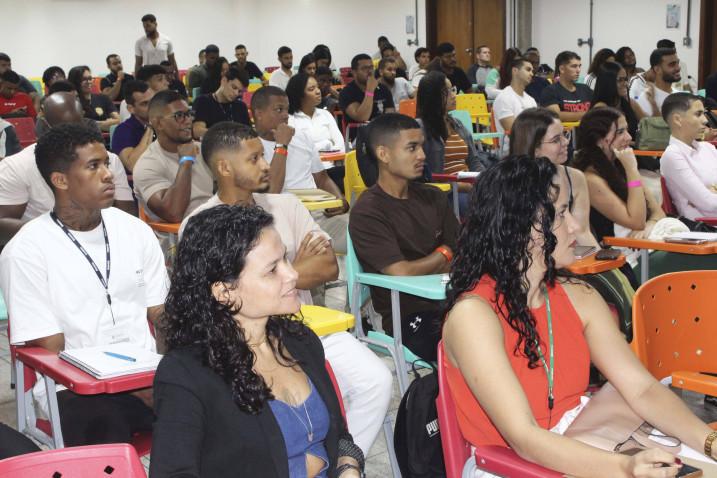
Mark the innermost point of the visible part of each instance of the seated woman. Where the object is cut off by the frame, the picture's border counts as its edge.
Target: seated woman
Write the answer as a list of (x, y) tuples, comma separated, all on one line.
[(498, 78), (308, 65), (611, 90), (603, 56), (243, 390), (97, 107), (519, 340), (538, 132), (214, 79)]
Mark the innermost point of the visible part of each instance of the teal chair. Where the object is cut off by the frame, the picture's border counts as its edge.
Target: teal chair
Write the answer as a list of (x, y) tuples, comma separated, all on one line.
[(38, 87), (112, 133), (702, 93), (429, 287), (464, 117), (196, 92)]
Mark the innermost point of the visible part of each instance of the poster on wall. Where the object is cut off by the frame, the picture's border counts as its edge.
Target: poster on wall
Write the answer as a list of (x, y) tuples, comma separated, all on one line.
[(673, 15)]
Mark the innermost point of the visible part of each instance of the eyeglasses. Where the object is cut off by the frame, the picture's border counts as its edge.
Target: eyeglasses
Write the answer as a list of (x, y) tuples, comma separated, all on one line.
[(181, 115), (87, 79), (566, 135), (453, 90)]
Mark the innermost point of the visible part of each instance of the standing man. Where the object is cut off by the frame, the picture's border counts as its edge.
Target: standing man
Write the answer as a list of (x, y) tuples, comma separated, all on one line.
[(665, 65), (571, 100), (153, 48), (478, 72), (281, 76), (364, 98), (133, 136), (111, 85), (447, 63), (400, 87), (241, 63), (513, 99)]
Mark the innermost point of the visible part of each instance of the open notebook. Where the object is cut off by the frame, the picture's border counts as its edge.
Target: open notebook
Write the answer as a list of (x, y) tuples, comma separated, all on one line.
[(108, 361), (311, 195)]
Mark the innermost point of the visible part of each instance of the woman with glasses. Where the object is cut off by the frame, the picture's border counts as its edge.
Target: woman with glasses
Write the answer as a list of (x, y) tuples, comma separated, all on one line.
[(538, 133), (96, 106), (518, 338), (611, 90)]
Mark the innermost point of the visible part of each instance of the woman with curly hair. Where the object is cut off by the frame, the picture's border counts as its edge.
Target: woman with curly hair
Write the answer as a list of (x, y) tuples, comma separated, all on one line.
[(519, 340), (243, 390)]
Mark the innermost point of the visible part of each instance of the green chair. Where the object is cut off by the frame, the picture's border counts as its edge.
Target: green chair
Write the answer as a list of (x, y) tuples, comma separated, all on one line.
[(702, 92), (38, 87), (428, 286), (196, 92), (112, 133), (464, 117)]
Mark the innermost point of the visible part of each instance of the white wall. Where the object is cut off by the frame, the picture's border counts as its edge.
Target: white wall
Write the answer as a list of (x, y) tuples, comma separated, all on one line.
[(73, 32), (557, 24)]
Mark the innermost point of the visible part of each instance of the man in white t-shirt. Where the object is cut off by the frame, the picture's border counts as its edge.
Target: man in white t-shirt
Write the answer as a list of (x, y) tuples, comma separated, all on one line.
[(513, 99), (294, 160), (236, 156), (84, 275), (281, 76), (153, 48), (666, 66), (400, 87), (24, 195)]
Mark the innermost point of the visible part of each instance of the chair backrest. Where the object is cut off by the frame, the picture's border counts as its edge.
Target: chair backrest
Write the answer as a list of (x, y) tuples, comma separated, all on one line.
[(475, 104), (464, 117), (335, 383), (353, 267), (353, 182), (674, 325), (96, 82), (112, 133), (408, 108), (196, 92), (270, 69), (24, 129), (254, 86), (456, 449), (667, 205), (82, 461), (38, 85)]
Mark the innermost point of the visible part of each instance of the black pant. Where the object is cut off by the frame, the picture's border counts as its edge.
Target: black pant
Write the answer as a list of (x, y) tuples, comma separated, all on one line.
[(13, 443), (421, 333), (106, 418)]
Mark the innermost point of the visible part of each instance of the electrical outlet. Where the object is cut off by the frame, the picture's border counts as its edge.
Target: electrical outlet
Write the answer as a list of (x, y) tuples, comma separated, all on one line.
[(687, 41)]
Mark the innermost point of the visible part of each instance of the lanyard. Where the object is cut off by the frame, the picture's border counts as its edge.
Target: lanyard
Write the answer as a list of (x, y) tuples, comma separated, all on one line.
[(549, 372), (103, 280)]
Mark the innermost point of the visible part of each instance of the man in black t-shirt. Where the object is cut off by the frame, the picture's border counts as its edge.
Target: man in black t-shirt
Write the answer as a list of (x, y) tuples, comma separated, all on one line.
[(571, 100), (402, 227), (241, 63), (445, 62), (112, 84), (225, 104), (172, 80), (364, 98)]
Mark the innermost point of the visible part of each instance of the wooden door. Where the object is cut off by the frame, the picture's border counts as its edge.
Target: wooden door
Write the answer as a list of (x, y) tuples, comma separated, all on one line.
[(708, 41), (454, 24), (489, 27)]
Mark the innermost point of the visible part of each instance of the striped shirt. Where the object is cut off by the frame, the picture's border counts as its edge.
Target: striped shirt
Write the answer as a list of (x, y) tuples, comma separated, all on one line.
[(456, 155)]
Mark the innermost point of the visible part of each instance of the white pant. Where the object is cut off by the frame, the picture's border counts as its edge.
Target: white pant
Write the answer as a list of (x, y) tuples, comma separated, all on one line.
[(365, 383)]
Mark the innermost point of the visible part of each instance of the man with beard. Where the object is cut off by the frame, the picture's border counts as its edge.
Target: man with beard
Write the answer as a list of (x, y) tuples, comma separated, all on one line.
[(400, 87), (241, 63), (113, 84), (666, 66), (153, 48), (282, 75), (445, 61), (364, 98), (198, 73), (171, 178)]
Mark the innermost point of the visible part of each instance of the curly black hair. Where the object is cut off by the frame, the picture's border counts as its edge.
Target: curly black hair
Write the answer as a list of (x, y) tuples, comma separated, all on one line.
[(56, 150), (510, 199), (214, 249)]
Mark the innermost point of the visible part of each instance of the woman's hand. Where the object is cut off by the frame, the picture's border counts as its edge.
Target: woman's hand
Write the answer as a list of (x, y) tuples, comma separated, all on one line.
[(627, 158), (651, 464)]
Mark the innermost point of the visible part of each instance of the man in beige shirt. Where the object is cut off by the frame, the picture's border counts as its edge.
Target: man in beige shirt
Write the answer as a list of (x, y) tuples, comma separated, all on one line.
[(171, 179)]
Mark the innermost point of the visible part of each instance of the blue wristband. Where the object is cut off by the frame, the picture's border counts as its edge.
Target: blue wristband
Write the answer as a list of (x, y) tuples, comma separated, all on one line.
[(184, 159)]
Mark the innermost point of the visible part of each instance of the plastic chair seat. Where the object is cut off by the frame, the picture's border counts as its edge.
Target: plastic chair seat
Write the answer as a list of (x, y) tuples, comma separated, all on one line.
[(24, 129), (428, 286), (324, 321)]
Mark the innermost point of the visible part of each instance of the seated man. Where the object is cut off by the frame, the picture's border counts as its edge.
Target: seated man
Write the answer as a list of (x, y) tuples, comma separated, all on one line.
[(281, 76), (155, 77), (13, 102), (390, 51), (173, 82), (236, 156), (513, 99), (241, 63), (364, 98), (133, 136), (225, 104), (25, 84), (445, 61), (402, 227), (665, 66), (112, 85), (570, 99), (418, 71), (329, 96), (689, 166), (171, 178), (198, 73), (55, 274), (9, 142), (294, 160), (24, 195), (387, 75)]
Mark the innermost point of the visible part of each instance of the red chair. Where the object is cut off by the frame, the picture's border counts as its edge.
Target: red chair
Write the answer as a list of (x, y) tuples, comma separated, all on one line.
[(456, 450), (271, 69), (407, 107), (24, 129), (336, 388), (346, 75), (96, 82), (669, 207), (78, 462)]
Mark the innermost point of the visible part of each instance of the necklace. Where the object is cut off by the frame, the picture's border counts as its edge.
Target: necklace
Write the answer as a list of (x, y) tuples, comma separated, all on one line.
[(309, 429), (256, 344), (550, 372)]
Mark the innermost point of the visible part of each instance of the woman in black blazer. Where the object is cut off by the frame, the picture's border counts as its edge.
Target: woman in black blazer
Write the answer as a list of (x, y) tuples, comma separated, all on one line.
[(243, 390)]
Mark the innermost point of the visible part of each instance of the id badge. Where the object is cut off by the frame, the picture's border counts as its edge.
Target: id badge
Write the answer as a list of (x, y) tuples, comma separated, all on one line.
[(116, 334)]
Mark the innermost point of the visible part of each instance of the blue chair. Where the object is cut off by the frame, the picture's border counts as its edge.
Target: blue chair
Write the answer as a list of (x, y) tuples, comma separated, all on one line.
[(196, 92), (428, 286), (702, 93), (464, 117)]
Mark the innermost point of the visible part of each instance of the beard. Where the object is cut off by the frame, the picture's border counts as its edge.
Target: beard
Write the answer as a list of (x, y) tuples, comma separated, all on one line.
[(390, 81)]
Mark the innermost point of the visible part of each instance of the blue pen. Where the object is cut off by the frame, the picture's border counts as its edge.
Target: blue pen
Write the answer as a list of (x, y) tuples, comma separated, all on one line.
[(120, 356)]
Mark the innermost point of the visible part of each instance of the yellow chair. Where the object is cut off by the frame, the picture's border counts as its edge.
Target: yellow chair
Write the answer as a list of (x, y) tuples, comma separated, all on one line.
[(253, 87), (325, 321), (476, 105)]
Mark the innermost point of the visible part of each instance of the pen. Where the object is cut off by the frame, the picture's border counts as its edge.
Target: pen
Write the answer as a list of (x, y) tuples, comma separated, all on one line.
[(120, 356)]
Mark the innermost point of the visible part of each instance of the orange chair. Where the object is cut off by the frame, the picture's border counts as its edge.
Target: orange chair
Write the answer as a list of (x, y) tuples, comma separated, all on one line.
[(96, 81), (669, 207), (456, 450), (674, 328), (24, 129), (407, 107)]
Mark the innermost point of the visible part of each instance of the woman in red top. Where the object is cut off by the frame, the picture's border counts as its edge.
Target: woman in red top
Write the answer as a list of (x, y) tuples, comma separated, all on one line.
[(518, 339)]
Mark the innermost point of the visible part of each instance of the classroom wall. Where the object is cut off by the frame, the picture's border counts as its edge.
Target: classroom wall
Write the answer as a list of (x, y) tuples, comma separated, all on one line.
[(557, 24), (73, 32)]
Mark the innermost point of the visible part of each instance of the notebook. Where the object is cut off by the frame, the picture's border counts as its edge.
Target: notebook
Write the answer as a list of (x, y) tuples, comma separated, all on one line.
[(310, 195), (108, 361), (707, 236)]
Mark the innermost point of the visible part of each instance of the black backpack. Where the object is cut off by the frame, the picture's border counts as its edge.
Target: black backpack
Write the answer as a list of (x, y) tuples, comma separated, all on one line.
[(416, 438)]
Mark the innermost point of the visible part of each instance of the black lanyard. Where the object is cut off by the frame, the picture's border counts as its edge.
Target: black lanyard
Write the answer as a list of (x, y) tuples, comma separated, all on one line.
[(103, 280)]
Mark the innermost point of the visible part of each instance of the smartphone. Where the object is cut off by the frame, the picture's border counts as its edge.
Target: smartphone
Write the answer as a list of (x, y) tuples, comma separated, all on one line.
[(582, 252), (684, 240), (687, 471), (607, 254)]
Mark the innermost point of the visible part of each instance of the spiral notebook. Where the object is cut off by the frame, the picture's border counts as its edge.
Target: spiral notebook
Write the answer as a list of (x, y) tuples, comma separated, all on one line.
[(115, 360)]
